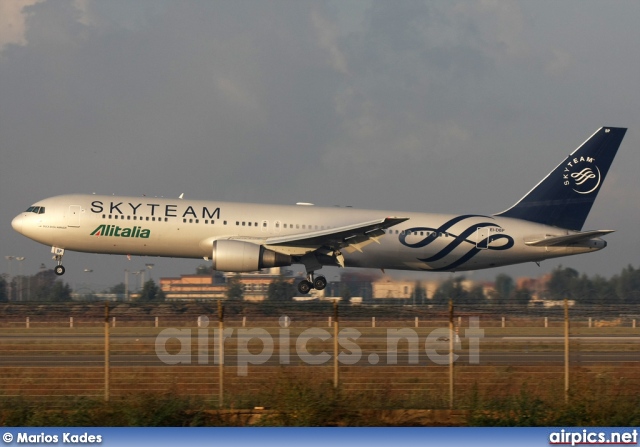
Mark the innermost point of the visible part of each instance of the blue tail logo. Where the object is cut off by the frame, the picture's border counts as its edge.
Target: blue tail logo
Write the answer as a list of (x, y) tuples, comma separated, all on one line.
[(565, 196), (585, 181)]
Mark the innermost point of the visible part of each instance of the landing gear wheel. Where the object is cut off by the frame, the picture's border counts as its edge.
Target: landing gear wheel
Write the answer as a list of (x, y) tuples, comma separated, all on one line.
[(320, 283), (304, 286), (57, 255)]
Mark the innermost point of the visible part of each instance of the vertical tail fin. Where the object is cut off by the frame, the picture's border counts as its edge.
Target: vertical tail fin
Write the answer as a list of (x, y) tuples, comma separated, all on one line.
[(565, 196)]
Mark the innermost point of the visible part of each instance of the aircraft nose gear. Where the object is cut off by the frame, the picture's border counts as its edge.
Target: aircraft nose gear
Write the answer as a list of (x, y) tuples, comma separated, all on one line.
[(57, 255), (318, 283)]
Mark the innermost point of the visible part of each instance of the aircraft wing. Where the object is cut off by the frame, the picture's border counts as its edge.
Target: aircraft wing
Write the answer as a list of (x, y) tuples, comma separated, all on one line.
[(550, 241), (328, 243), (340, 237)]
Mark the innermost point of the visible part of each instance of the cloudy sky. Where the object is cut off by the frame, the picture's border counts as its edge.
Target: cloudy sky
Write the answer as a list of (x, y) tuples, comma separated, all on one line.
[(435, 106)]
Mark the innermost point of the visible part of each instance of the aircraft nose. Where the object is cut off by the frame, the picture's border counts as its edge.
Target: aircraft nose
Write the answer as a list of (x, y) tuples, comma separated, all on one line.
[(16, 223)]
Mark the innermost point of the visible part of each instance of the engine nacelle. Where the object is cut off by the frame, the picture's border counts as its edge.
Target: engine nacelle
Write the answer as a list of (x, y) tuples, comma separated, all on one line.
[(240, 256)]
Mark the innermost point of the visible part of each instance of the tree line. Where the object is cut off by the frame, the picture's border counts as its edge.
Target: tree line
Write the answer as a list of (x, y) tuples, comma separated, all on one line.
[(563, 282)]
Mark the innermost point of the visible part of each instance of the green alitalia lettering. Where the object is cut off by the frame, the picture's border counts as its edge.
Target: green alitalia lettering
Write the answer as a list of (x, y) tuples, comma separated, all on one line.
[(116, 231)]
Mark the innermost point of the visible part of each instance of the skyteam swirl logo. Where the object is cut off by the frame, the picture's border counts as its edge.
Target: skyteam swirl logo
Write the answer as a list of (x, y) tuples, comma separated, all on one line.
[(582, 175), (488, 236)]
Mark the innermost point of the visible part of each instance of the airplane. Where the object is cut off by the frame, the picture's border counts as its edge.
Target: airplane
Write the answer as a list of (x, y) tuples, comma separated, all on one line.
[(242, 237)]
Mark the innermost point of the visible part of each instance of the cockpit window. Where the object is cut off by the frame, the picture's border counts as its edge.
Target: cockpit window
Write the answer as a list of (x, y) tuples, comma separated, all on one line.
[(36, 209), (41, 210)]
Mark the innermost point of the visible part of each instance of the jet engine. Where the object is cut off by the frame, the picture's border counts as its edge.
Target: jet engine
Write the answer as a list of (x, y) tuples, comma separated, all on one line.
[(240, 256)]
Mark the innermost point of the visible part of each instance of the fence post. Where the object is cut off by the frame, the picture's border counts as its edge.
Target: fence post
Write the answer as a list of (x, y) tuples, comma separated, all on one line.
[(156, 322), (70, 322), (546, 321), (417, 323), (335, 345), (590, 321), (27, 323), (106, 351), (221, 354), (373, 321), (451, 337), (503, 322), (566, 350), (244, 321)]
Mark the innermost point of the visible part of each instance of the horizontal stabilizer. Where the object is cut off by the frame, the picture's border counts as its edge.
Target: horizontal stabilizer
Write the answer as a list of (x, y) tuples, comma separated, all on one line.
[(552, 241)]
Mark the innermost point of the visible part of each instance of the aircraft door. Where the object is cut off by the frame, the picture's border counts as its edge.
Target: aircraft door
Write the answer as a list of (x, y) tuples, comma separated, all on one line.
[(73, 219), (482, 238)]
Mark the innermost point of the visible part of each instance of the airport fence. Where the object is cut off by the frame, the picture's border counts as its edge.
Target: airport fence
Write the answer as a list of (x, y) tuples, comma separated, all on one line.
[(386, 356)]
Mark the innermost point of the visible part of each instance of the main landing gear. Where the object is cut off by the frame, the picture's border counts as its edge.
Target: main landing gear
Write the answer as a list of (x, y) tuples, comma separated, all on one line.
[(312, 282), (57, 255)]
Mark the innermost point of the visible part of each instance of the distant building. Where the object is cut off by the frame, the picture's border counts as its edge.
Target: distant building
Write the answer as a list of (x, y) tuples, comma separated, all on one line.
[(256, 285), (387, 287), (537, 286), (357, 284), (488, 289), (205, 287), (390, 288), (192, 288)]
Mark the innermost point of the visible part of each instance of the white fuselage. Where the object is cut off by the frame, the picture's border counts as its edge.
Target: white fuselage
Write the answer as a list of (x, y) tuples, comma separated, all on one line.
[(187, 228)]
